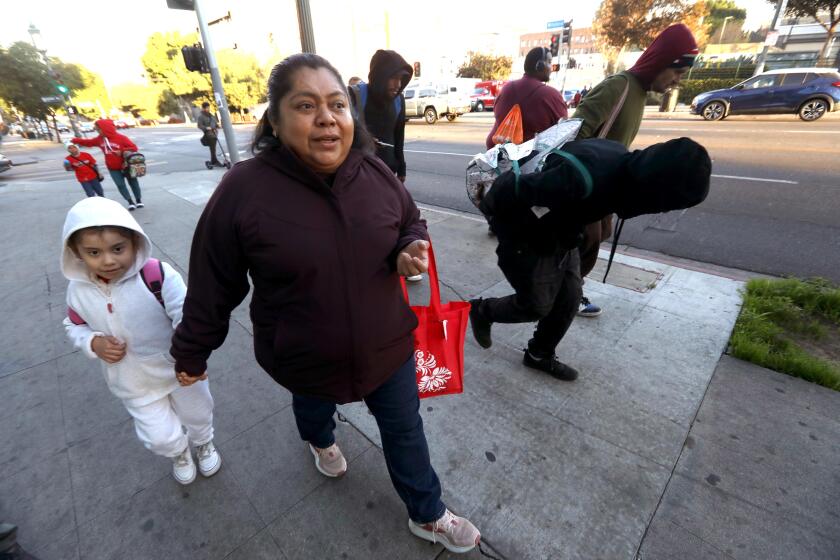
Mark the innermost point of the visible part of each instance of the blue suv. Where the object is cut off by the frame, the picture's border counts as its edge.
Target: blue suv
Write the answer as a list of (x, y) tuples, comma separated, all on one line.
[(808, 92)]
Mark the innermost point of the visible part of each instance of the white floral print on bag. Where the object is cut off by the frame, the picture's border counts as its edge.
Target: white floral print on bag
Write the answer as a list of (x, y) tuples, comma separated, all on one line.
[(431, 377)]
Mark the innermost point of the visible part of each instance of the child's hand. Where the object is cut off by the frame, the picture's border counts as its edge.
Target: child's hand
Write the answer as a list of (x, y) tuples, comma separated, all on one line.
[(186, 380), (108, 348)]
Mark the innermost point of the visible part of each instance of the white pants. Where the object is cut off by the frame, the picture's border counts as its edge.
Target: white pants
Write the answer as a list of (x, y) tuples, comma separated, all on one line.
[(160, 424)]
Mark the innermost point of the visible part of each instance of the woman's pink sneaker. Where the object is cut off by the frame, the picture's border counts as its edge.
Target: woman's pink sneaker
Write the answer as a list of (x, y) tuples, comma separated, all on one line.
[(456, 534)]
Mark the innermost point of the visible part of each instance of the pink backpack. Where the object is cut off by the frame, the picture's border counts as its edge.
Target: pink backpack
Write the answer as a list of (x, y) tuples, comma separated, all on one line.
[(152, 276)]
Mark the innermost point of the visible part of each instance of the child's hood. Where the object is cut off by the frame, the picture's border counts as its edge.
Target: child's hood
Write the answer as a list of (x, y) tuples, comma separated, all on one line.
[(99, 211)]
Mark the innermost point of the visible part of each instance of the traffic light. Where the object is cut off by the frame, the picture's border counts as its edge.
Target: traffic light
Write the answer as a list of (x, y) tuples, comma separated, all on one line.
[(62, 89), (567, 33), (194, 58), (555, 45), (416, 69)]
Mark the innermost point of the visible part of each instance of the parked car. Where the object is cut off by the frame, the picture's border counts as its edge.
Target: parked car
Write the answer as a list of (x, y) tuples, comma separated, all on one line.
[(807, 92), (5, 163), (432, 101)]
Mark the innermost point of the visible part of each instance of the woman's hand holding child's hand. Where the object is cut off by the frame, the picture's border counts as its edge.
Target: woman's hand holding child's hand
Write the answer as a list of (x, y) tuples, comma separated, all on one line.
[(186, 380), (108, 348)]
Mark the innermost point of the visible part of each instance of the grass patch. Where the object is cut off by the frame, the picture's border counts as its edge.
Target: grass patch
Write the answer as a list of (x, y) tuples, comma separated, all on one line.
[(791, 326)]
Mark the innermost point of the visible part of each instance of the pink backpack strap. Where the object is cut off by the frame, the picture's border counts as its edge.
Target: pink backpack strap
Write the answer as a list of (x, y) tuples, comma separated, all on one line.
[(152, 275), (74, 317)]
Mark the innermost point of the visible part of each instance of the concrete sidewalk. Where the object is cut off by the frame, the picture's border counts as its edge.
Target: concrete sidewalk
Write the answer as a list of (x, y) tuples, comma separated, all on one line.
[(611, 466)]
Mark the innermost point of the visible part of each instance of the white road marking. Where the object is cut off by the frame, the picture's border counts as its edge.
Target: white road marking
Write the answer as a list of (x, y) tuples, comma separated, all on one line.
[(736, 177), (456, 214), (735, 129), (439, 153), (739, 178)]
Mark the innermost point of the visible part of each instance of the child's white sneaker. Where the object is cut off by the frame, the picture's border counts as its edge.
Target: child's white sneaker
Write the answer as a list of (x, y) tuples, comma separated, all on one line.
[(209, 460), (183, 467)]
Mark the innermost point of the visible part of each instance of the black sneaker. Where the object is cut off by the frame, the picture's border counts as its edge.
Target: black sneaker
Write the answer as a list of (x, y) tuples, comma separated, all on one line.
[(551, 365), (480, 325)]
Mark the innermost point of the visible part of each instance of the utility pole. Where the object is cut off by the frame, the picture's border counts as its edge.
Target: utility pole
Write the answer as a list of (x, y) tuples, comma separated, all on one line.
[(762, 58), (64, 92), (307, 35), (215, 76)]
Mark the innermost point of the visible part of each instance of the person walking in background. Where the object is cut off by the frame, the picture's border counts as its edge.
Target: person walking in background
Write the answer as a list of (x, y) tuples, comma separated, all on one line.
[(380, 107), (87, 172), (208, 124), (660, 68), (122, 310), (324, 230), (542, 106), (115, 146)]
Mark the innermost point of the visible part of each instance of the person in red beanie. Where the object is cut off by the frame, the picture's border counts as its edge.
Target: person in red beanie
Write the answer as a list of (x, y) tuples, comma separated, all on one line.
[(114, 145), (660, 68)]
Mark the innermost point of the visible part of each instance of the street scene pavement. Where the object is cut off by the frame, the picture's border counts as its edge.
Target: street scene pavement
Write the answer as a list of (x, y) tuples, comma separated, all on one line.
[(665, 447)]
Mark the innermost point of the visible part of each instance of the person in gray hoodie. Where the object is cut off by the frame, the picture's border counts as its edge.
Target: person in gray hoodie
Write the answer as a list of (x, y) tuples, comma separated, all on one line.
[(122, 309)]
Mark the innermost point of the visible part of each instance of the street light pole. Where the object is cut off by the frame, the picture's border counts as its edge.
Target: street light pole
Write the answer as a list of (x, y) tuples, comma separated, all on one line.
[(723, 28), (218, 88), (307, 34), (762, 58), (35, 31)]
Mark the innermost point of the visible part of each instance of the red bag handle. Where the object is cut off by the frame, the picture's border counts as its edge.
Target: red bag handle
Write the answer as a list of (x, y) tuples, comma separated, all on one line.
[(434, 299)]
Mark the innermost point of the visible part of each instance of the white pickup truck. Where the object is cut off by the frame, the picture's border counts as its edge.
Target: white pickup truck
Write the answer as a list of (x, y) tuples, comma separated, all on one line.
[(431, 101)]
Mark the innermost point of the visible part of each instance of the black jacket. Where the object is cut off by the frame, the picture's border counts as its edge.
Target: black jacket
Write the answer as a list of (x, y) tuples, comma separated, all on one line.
[(601, 177), (382, 120)]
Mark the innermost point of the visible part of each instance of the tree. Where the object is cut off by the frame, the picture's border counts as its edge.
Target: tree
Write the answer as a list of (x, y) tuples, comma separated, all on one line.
[(486, 67), (620, 24), (725, 12), (820, 10), (242, 77), (25, 79)]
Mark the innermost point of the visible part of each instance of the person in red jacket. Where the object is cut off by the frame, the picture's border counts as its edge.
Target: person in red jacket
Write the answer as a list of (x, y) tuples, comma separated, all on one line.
[(114, 145), (87, 172), (542, 106)]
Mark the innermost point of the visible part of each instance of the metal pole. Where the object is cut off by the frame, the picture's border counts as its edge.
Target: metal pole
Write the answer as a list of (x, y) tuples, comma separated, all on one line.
[(32, 31), (307, 35), (762, 58), (723, 28), (218, 88)]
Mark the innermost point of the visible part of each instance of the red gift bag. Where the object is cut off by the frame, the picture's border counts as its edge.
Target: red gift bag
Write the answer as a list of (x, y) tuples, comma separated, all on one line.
[(439, 341)]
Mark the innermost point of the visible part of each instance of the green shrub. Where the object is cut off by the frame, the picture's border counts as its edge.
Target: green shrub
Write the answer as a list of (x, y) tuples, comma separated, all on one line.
[(690, 88)]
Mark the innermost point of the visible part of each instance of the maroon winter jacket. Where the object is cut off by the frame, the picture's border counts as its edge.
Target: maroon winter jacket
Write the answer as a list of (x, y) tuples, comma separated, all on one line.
[(542, 106), (329, 317)]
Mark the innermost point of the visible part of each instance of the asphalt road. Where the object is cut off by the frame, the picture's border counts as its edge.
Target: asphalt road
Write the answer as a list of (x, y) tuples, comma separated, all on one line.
[(774, 206)]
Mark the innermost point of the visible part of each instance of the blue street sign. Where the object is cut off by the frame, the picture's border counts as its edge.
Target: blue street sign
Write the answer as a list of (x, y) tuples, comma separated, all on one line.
[(555, 24)]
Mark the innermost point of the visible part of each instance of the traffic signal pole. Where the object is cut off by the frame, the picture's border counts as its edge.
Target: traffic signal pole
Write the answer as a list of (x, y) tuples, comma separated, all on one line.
[(218, 88), (32, 32)]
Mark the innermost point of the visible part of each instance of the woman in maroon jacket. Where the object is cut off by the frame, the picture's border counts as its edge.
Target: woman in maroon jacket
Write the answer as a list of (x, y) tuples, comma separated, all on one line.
[(324, 229)]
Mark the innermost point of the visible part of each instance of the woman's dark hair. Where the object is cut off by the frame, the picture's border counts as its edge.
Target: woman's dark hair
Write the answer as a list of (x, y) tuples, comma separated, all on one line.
[(280, 83)]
